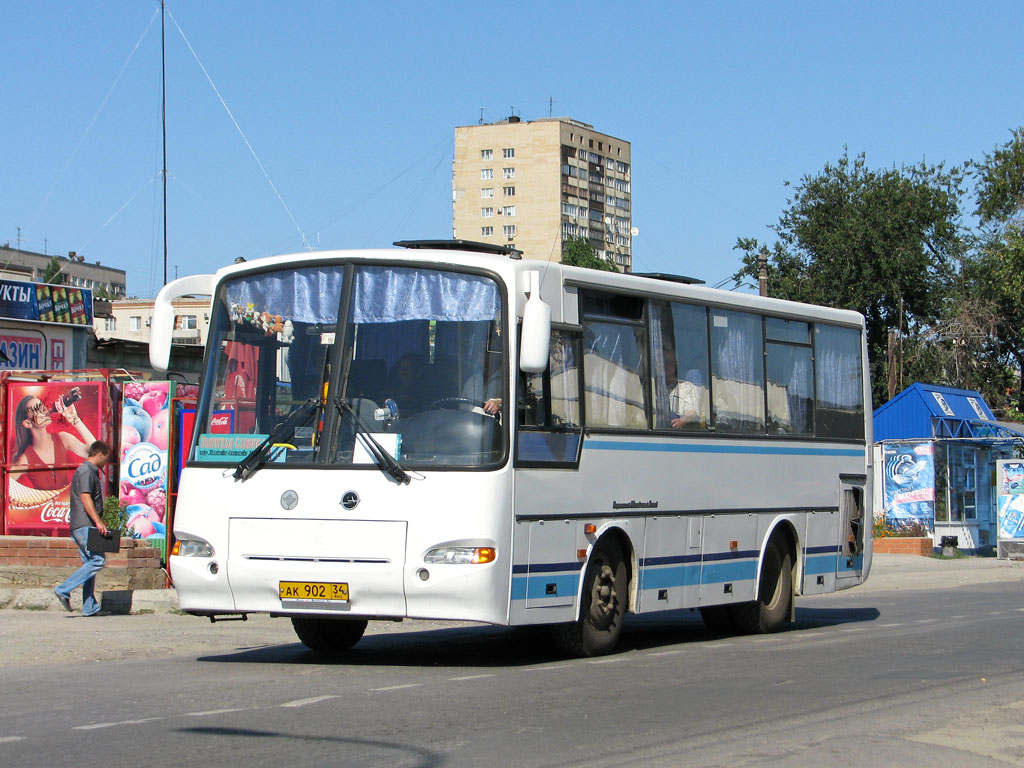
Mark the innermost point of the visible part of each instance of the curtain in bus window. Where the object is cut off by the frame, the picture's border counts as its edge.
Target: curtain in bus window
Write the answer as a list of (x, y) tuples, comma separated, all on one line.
[(737, 370), (613, 384), (303, 296), (680, 367), (840, 405), (790, 389), (392, 294)]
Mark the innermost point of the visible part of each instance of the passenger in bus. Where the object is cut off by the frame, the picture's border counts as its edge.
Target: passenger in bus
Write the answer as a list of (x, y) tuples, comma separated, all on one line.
[(687, 396), (688, 401)]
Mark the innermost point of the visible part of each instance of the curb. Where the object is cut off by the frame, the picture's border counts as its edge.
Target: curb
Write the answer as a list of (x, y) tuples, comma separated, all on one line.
[(117, 601)]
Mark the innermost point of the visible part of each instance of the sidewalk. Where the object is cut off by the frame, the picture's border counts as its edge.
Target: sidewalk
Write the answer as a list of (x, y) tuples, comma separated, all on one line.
[(888, 572)]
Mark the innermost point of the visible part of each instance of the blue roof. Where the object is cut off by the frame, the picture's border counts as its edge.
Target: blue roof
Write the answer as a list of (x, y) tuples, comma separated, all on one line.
[(930, 411)]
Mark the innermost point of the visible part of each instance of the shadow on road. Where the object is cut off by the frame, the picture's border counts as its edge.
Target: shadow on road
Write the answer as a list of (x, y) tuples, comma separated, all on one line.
[(422, 758), (485, 646)]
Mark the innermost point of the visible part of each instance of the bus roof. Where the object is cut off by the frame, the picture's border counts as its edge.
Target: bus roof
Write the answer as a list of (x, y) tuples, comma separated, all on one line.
[(556, 277)]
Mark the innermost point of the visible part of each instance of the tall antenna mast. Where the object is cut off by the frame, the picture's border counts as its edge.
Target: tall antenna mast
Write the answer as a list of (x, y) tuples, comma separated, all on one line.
[(163, 119)]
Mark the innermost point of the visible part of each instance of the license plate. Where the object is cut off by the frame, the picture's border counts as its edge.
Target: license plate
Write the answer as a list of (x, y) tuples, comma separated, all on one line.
[(314, 591)]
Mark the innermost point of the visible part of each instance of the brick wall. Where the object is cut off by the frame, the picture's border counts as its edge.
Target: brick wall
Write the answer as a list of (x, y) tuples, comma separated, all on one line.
[(908, 545), (28, 559)]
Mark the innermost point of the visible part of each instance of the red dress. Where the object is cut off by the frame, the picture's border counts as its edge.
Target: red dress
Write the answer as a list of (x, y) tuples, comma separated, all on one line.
[(41, 480)]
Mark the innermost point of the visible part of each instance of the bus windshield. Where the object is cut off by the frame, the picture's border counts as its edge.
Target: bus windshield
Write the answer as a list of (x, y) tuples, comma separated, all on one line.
[(416, 357)]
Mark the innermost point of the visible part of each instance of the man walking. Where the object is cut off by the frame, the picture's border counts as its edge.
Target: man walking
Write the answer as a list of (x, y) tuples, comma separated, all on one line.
[(86, 506)]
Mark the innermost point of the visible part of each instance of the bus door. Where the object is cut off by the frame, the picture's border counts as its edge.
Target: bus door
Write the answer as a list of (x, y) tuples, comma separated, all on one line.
[(853, 526)]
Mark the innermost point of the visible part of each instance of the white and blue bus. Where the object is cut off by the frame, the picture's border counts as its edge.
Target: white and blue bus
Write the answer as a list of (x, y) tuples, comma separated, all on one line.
[(448, 431)]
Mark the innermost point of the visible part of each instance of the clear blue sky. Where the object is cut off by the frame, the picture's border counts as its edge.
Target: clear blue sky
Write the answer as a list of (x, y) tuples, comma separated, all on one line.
[(722, 101)]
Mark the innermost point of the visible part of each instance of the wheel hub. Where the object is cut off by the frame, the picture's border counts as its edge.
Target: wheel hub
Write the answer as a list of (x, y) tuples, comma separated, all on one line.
[(604, 598)]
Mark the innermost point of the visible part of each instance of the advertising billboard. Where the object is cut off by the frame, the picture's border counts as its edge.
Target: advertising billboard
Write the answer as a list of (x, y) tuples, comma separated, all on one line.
[(909, 489), (50, 426), (45, 303), (145, 434), (1010, 498)]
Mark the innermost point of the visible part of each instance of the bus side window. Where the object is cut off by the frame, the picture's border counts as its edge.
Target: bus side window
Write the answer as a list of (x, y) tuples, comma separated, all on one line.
[(549, 410)]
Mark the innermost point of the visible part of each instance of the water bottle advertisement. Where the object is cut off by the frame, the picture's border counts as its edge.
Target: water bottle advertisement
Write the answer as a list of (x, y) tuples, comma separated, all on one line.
[(1010, 498), (50, 426), (145, 435), (909, 485)]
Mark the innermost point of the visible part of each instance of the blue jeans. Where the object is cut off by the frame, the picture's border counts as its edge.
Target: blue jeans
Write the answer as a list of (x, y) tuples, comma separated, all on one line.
[(84, 577)]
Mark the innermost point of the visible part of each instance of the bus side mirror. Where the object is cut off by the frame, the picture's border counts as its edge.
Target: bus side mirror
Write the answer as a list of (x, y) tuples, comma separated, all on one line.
[(536, 331), (162, 324)]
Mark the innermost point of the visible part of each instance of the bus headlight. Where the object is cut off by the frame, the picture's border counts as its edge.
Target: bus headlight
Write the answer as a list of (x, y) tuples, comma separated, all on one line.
[(461, 555), (192, 548)]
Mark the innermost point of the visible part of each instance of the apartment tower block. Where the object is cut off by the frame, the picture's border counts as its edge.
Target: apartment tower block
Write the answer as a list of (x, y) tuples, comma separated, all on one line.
[(535, 185)]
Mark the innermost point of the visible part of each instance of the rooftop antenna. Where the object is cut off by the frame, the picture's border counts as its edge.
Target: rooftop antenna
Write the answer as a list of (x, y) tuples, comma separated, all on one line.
[(481, 116), (551, 105)]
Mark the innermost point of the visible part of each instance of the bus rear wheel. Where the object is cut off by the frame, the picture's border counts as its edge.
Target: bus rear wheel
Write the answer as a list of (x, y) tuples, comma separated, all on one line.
[(328, 635), (603, 605), (774, 594)]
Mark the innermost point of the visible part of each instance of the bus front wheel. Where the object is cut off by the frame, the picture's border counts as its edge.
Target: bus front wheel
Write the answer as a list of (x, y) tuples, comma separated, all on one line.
[(328, 635), (774, 594), (603, 605)]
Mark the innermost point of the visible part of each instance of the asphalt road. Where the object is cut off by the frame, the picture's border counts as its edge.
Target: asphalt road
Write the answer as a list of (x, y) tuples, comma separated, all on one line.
[(867, 677)]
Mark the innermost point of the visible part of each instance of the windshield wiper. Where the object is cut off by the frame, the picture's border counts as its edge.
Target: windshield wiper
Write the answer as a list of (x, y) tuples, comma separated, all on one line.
[(260, 455), (383, 459)]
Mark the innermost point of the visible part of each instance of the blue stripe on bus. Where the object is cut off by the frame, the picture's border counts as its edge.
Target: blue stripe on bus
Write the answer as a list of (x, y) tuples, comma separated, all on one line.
[(821, 564), (782, 450), (830, 549), (719, 572), (675, 576), (546, 567), (673, 571), (536, 587), (669, 560), (855, 563), (739, 554)]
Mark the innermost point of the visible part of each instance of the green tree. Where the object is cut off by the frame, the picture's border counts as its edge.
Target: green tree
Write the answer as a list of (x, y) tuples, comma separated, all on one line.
[(998, 272), (578, 252), (887, 243), (53, 274)]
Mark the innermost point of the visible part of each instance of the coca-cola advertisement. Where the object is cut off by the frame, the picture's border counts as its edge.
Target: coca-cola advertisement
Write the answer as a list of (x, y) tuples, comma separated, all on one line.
[(145, 433), (50, 426)]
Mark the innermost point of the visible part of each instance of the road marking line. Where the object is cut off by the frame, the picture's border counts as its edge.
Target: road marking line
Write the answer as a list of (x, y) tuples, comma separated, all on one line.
[(93, 726), (716, 645), (470, 677), (925, 621), (311, 700), (853, 629), (397, 687), (958, 617), (664, 653), (545, 669), (995, 613), (605, 661), (891, 625), (810, 634), (8, 739), (214, 712)]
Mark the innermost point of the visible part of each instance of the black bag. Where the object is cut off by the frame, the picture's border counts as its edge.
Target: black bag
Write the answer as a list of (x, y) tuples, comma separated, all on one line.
[(109, 543)]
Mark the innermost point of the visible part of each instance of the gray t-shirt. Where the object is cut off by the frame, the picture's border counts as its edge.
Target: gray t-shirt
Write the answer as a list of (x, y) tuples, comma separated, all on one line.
[(85, 480)]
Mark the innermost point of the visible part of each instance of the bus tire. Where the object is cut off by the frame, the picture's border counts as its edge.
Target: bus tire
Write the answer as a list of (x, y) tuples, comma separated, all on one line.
[(328, 635), (602, 605), (774, 594)]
